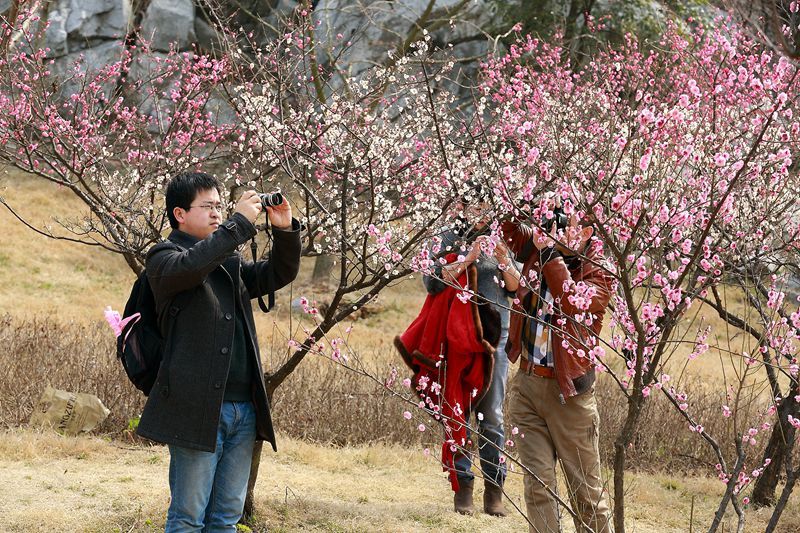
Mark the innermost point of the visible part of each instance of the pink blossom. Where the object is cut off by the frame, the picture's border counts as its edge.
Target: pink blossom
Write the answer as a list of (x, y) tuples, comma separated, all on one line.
[(644, 162), (117, 324)]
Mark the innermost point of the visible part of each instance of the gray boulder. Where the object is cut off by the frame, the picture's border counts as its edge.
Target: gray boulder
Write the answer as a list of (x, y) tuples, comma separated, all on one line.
[(169, 21), (207, 37), (80, 24), (91, 58), (376, 28)]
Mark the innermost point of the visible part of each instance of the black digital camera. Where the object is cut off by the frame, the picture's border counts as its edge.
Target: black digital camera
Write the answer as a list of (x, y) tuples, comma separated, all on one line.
[(271, 199), (559, 217)]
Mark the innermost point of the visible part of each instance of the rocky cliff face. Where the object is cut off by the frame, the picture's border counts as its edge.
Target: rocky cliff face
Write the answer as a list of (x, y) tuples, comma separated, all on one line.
[(80, 25), (98, 29)]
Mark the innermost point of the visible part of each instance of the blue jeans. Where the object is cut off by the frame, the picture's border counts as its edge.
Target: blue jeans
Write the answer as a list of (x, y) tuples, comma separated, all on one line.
[(208, 488), (491, 427)]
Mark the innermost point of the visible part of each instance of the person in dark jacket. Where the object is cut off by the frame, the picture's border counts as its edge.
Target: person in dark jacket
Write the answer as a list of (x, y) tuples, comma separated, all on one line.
[(209, 402)]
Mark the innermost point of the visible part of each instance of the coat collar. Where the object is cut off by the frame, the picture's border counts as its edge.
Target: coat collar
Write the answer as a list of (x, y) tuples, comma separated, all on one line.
[(183, 239)]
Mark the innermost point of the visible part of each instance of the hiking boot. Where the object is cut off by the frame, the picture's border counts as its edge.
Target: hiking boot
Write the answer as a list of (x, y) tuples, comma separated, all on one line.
[(493, 500), (462, 501)]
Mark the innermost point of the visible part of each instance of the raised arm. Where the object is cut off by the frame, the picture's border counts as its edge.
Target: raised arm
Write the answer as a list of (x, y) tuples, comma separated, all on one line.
[(171, 269)]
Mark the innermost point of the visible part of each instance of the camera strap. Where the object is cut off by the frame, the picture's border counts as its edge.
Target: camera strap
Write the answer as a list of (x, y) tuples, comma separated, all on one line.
[(270, 274)]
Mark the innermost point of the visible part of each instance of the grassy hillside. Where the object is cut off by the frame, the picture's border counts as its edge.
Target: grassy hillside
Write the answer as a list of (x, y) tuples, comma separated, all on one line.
[(42, 275)]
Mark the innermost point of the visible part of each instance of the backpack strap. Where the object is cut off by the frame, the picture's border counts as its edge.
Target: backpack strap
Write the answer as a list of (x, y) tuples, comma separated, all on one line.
[(173, 312)]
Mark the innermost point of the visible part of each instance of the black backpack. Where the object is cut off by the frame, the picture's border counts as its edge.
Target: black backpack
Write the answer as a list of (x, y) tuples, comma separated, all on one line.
[(140, 345)]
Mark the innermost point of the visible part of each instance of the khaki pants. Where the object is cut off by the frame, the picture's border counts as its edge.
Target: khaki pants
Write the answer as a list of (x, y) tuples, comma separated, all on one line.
[(567, 432)]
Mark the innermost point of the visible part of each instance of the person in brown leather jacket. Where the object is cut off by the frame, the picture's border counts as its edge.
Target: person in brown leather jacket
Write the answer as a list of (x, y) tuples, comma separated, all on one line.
[(555, 322)]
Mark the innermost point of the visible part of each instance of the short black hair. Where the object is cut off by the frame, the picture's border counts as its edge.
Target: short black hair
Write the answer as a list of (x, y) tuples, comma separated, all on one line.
[(183, 188)]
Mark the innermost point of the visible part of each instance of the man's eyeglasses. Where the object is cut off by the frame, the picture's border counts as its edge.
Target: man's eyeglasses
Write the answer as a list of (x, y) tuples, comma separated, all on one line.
[(209, 207)]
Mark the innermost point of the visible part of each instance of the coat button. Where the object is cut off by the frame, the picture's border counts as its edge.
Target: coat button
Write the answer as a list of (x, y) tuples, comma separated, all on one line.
[(228, 316), (224, 350), (217, 384)]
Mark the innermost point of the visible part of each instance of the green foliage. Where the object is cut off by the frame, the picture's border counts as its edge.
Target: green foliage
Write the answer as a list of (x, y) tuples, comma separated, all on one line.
[(645, 19)]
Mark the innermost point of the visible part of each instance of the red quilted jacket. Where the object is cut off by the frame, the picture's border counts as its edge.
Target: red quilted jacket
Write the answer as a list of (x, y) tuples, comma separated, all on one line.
[(451, 359)]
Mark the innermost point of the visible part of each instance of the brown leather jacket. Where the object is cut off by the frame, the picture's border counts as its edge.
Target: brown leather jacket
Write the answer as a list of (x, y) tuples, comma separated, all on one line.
[(573, 367)]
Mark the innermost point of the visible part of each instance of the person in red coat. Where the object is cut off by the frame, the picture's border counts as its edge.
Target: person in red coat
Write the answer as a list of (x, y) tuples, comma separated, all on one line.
[(554, 333), (457, 342)]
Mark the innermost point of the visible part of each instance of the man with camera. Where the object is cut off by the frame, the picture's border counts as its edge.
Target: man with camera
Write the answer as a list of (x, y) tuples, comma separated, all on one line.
[(555, 323), (209, 402)]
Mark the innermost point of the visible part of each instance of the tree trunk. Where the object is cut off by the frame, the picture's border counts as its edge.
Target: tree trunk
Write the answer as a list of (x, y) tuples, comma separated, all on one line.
[(624, 438), (791, 478), (323, 268), (764, 489), (249, 504), (249, 501), (133, 262), (782, 436)]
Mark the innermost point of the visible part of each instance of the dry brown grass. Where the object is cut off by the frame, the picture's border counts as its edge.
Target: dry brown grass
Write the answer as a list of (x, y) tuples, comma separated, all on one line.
[(66, 355), (40, 275), (321, 402), (92, 485)]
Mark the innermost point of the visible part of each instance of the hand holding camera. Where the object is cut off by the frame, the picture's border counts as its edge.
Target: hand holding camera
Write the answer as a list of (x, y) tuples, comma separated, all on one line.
[(474, 251), (249, 205), (545, 235), (278, 209)]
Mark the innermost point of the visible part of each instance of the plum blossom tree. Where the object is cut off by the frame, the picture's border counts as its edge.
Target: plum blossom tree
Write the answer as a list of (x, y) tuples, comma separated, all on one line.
[(111, 135), (372, 168), (682, 159), (777, 25)]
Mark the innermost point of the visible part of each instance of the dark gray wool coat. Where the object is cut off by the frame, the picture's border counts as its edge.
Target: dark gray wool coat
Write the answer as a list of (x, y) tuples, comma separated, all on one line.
[(198, 286)]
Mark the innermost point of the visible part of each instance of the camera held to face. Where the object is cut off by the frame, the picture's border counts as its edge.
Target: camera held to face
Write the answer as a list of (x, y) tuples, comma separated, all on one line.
[(559, 217), (272, 199)]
